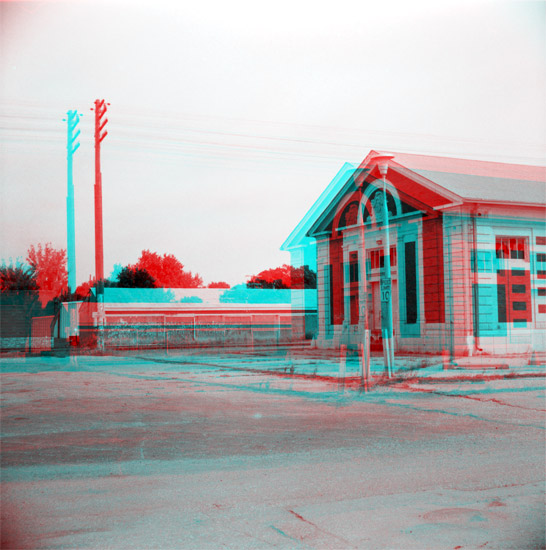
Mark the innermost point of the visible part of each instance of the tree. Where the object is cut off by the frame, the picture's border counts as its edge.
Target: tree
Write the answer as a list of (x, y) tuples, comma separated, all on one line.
[(219, 284), (304, 277), (278, 277), (49, 266), (84, 290), (134, 277), (284, 276), (14, 278), (18, 299), (167, 271)]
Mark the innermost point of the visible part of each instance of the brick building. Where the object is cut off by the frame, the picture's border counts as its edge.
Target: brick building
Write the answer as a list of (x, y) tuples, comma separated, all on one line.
[(467, 248)]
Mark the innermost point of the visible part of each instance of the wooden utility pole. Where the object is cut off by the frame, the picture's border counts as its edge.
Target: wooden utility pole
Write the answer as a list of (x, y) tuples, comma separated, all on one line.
[(100, 134), (72, 120)]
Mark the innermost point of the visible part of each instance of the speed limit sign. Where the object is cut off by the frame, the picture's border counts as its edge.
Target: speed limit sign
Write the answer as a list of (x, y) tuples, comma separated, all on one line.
[(386, 290)]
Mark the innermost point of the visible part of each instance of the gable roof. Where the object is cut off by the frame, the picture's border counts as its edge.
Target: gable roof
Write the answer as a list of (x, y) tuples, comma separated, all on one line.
[(478, 180), (299, 236), (456, 180), (486, 188)]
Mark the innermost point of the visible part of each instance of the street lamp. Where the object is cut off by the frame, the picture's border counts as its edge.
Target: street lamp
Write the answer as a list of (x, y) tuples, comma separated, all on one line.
[(382, 162)]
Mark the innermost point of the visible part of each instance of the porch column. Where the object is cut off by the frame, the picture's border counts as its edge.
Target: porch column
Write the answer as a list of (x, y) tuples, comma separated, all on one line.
[(346, 294)]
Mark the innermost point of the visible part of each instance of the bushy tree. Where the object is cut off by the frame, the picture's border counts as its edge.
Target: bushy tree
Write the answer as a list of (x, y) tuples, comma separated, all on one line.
[(18, 298), (278, 277), (17, 277), (219, 284), (49, 266), (84, 290), (167, 271), (134, 277), (284, 276)]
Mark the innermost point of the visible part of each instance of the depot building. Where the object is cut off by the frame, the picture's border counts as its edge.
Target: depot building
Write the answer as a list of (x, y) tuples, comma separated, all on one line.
[(467, 248)]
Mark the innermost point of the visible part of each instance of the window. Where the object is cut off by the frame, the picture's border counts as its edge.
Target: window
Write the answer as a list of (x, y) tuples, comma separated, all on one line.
[(541, 257), (393, 256), (501, 299), (410, 261), (374, 257), (377, 258), (331, 291), (510, 247), (353, 267)]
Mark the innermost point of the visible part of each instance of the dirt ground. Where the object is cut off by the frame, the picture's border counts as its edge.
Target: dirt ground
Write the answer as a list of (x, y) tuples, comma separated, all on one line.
[(213, 452)]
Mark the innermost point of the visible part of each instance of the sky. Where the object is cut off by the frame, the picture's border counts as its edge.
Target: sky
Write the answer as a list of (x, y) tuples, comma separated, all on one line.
[(228, 119)]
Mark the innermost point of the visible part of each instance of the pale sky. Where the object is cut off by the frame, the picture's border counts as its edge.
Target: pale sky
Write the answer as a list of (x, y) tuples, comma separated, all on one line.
[(228, 119)]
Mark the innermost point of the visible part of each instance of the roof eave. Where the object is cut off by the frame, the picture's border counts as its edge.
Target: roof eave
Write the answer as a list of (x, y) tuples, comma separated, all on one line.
[(300, 231)]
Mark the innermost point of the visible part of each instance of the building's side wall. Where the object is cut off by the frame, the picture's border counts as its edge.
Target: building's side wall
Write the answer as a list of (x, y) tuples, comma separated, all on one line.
[(538, 285), (325, 328), (303, 326), (458, 285)]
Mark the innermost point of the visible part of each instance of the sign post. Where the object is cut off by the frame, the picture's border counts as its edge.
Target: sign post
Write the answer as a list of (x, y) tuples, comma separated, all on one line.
[(386, 282)]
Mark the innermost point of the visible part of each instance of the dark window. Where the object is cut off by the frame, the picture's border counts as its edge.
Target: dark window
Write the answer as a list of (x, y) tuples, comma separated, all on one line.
[(519, 289), (541, 257), (354, 308), (519, 306), (541, 273), (501, 298), (349, 216), (411, 283), (518, 272), (520, 321), (353, 267), (542, 291)]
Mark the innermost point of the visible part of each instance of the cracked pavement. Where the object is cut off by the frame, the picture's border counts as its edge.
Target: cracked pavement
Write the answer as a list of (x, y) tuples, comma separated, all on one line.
[(126, 452)]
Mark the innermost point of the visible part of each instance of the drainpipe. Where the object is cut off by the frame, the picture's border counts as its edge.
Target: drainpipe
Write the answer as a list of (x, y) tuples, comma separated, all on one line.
[(475, 293)]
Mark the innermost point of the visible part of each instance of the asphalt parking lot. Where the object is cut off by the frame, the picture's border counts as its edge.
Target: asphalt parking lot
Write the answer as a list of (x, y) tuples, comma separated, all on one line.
[(216, 452)]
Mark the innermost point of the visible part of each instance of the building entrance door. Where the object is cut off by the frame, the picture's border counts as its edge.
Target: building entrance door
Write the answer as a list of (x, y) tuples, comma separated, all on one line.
[(374, 319), (374, 313)]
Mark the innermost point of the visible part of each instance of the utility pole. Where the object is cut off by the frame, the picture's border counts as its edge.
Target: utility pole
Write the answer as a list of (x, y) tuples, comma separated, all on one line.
[(73, 118), (72, 121), (100, 134)]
